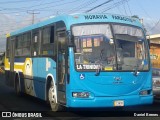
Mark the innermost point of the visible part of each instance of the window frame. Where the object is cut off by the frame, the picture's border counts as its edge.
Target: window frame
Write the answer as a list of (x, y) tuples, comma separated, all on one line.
[(20, 44), (48, 48), (114, 39)]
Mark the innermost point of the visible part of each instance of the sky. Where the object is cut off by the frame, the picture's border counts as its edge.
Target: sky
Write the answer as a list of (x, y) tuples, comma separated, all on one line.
[(15, 14)]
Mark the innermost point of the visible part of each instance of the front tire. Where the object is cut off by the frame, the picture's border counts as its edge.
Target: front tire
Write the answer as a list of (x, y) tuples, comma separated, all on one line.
[(52, 97)]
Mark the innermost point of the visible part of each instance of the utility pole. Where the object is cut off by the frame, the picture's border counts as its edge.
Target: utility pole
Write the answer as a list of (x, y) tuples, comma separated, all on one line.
[(33, 14)]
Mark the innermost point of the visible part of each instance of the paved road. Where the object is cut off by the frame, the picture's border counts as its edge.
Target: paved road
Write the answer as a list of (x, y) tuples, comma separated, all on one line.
[(10, 102)]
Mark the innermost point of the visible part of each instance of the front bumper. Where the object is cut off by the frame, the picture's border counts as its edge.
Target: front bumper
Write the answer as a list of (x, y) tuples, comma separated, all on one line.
[(109, 101)]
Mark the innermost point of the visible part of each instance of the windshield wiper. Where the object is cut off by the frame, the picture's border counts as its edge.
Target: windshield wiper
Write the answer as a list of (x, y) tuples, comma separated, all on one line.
[(136, 68), (138, 63), (100, 64), (98, 71)]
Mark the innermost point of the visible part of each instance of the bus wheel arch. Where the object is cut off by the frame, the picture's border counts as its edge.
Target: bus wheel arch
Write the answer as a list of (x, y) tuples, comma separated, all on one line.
[(49, 80), (51, 94)]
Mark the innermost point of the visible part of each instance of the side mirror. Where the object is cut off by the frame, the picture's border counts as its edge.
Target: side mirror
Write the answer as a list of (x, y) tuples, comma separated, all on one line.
[(70, 39), (71, 43)]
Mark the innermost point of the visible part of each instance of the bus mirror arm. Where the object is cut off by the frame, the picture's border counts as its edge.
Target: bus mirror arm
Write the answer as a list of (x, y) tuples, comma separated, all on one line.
[(71, 41)]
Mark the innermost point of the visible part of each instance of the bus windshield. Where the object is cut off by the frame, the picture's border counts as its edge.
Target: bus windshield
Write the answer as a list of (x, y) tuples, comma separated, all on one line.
[(96, 48)]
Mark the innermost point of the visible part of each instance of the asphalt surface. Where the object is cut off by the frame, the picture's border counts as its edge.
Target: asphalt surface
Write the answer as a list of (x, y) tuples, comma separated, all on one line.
[(10, 102)]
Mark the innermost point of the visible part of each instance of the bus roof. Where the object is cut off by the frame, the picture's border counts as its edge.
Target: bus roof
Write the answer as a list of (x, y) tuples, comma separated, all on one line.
[(82, 18)]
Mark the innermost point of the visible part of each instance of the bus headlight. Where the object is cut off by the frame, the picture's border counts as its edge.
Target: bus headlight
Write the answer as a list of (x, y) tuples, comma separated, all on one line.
[(80, 94), (144, 92)]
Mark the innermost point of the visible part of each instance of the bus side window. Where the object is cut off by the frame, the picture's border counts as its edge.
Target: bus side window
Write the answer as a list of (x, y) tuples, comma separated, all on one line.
[(26, 44), (35, 43), (52, 34), (47, 46), (23, 43)]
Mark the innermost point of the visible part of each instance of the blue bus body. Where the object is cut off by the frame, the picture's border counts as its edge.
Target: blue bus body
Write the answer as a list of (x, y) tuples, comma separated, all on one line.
[(104, 89)]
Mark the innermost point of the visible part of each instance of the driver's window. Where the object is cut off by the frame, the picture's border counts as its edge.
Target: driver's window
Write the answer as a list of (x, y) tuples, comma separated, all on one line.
[(128, 48)]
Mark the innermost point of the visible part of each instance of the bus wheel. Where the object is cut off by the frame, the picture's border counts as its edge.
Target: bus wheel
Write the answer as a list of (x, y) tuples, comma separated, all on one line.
[(53, 98)]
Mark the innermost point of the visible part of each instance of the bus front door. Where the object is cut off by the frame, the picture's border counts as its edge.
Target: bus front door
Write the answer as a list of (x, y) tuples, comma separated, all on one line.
[(61, 72)]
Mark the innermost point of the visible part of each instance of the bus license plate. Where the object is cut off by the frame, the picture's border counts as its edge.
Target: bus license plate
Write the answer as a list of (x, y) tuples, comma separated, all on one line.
[(119, 103)]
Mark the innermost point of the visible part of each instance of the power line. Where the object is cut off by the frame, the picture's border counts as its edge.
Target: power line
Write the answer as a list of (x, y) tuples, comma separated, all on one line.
[(141, 7), (82, 5), (24, 9), (46, 3), (155, 25), (56, 5), (20, 1), (89, 2), (115, 5), (125, 9), (104, 8), (43, 8), (129, 8), (98, 6)]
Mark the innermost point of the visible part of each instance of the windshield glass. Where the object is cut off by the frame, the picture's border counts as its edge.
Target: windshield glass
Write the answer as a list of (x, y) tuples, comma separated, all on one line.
[(131, 48), (95, 48)]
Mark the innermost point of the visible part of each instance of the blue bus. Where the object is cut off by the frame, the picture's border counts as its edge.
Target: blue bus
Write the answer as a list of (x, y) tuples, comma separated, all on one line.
[(81, 61)]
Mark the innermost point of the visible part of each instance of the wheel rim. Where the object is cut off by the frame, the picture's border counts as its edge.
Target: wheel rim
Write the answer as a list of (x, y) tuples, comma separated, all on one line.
[(52, 96)]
